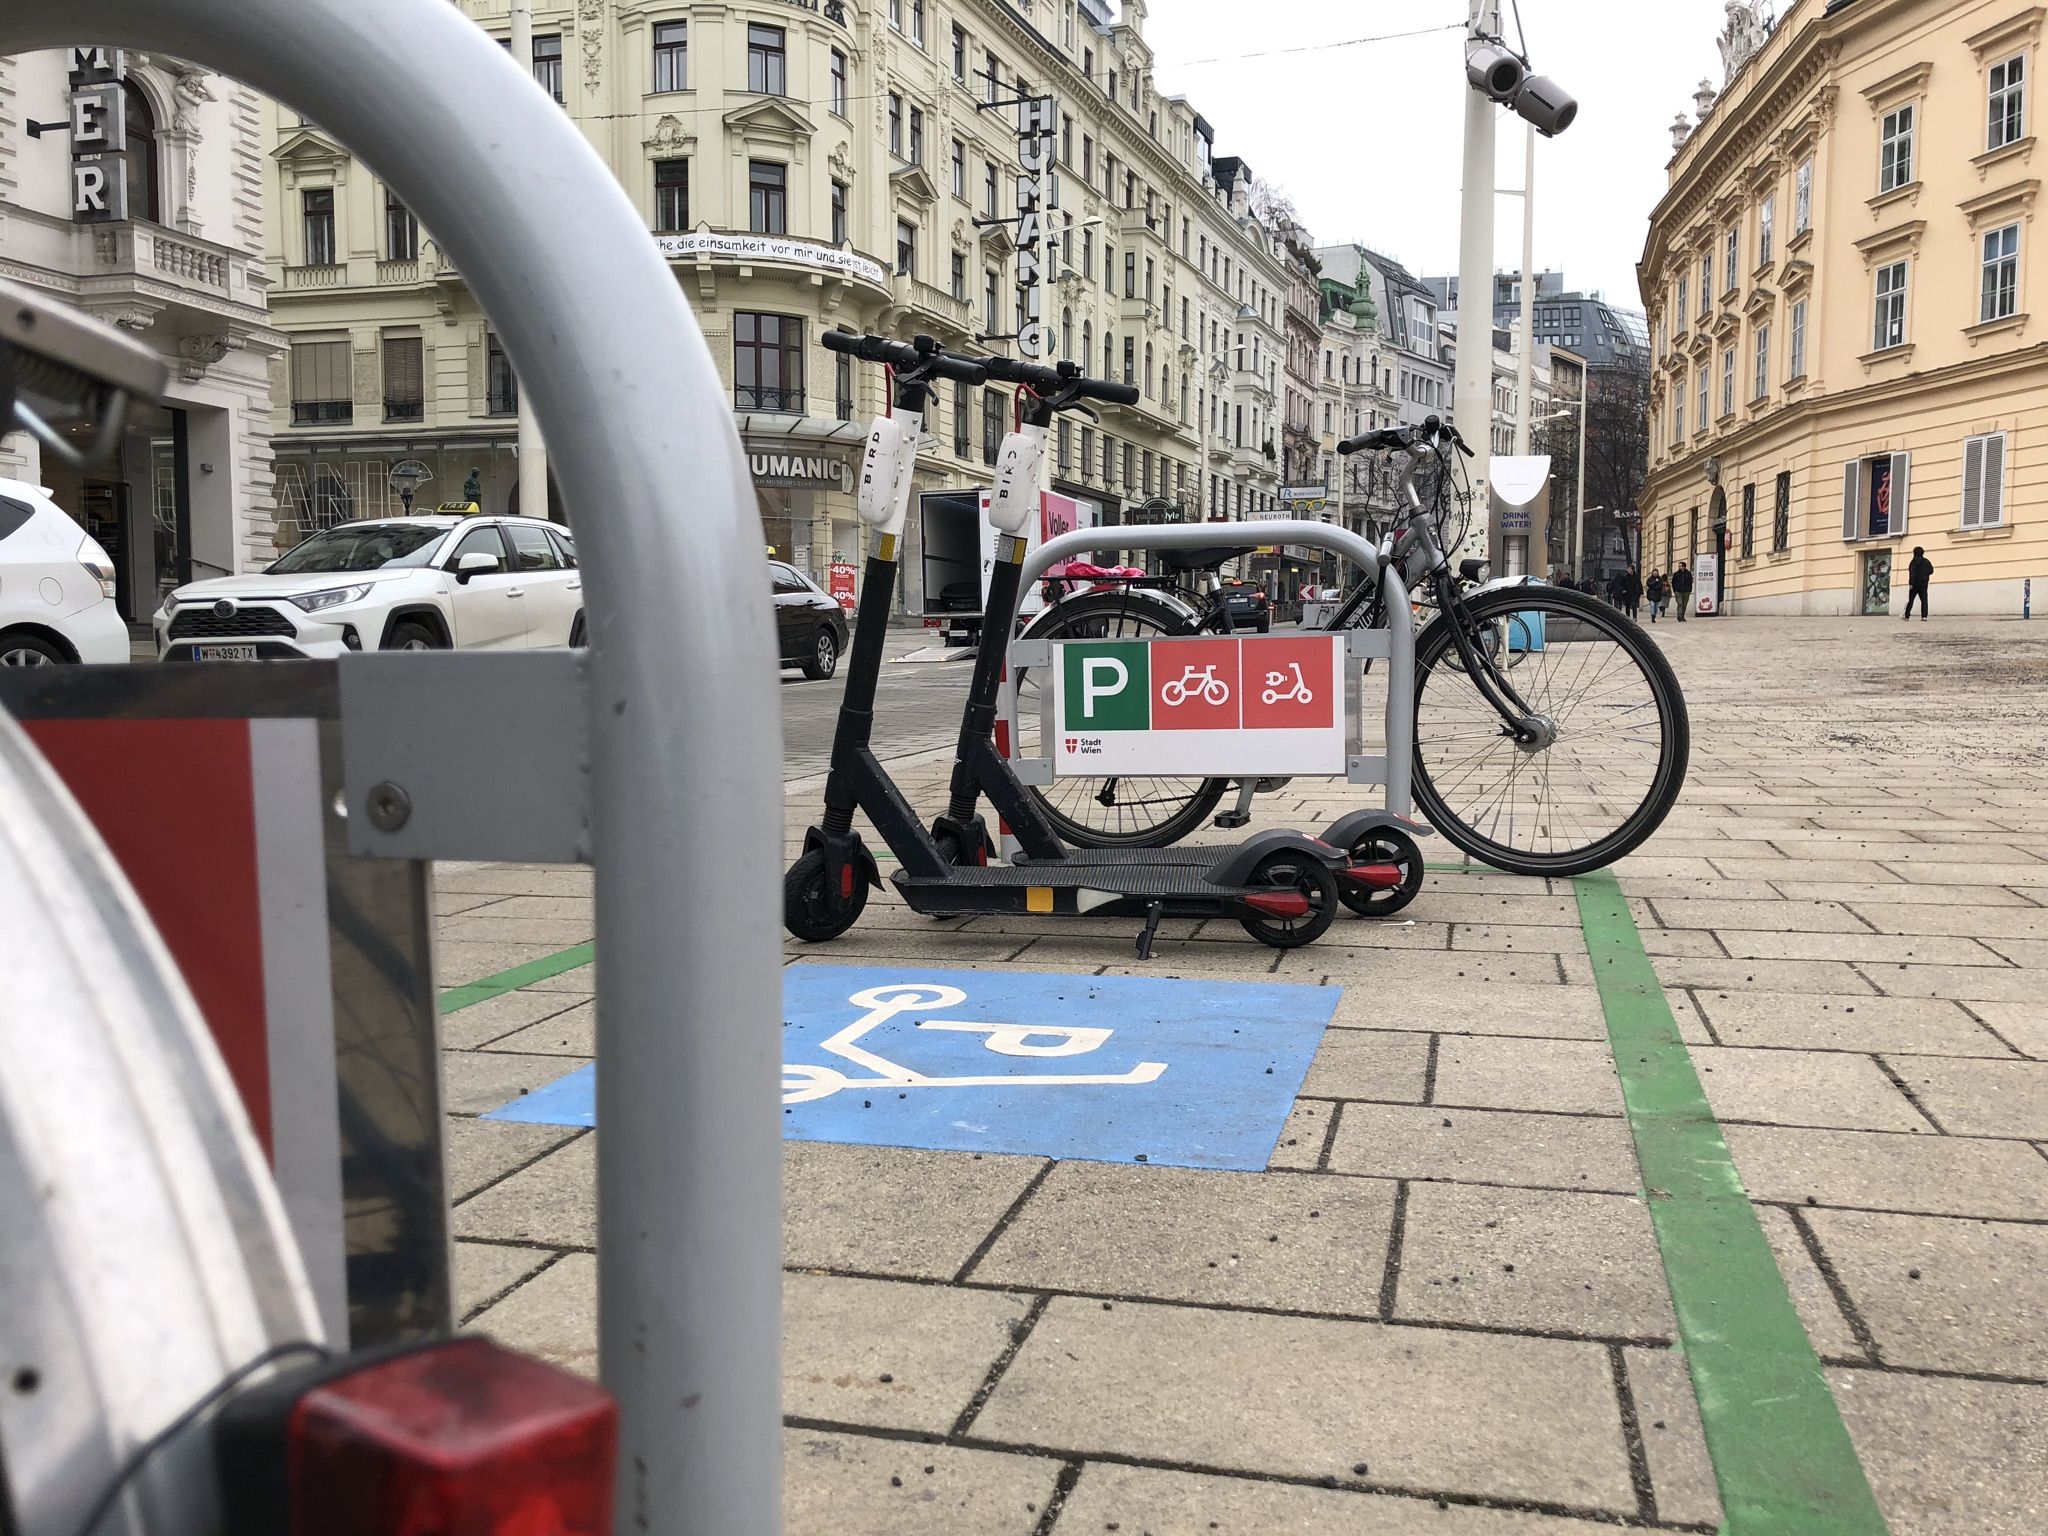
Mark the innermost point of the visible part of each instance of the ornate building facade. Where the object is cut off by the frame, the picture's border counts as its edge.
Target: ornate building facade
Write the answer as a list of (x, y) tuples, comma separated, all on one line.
[(1840, 287), (158, 231), (807, 165)]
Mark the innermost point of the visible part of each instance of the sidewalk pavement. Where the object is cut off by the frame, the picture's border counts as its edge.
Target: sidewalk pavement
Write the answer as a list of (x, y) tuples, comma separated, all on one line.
[(1444, 1306)]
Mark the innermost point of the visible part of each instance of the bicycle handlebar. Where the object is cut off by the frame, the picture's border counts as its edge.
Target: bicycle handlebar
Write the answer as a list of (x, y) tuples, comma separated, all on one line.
[(921, 356), (1398, 439)]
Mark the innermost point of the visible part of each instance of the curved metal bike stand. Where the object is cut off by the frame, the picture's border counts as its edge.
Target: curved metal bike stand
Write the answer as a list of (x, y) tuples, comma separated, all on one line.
[(1343, 542), (685, 787)]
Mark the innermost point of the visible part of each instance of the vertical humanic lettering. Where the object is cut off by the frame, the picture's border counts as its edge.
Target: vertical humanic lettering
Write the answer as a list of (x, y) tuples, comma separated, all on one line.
[(1037, 122)]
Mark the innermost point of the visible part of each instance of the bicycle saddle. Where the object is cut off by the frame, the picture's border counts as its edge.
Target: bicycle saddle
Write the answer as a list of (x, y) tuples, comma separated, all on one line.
[(1200, 559)]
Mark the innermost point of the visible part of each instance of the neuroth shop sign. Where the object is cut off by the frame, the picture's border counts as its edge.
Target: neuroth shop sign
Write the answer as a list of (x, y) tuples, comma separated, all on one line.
[(1211, 706)]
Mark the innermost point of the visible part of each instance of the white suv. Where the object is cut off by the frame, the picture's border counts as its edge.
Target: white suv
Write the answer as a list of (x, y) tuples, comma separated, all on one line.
[(56, 586), (401, 584)]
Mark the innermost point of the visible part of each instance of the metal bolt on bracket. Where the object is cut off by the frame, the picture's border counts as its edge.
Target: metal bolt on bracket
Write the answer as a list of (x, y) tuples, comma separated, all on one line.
[(388, 806)]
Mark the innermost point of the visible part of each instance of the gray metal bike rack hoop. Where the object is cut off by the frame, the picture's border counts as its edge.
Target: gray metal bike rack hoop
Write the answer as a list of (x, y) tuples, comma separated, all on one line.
[(684, 795)]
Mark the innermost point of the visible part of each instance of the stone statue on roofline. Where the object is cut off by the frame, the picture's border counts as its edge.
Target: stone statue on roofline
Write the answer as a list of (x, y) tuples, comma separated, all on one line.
[(1741, 36)]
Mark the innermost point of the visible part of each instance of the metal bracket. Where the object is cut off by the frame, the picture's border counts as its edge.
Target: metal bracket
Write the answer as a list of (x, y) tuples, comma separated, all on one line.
[(467, 755), (1360, 643), (1362, 769), (1031, 653)]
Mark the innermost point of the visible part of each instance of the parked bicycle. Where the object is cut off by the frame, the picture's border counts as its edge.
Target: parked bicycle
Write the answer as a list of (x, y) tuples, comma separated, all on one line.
[(1551, 735)]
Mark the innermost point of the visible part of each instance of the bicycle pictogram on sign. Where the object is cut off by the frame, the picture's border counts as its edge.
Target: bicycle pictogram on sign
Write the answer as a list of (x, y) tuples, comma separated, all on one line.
[(1191, 683)]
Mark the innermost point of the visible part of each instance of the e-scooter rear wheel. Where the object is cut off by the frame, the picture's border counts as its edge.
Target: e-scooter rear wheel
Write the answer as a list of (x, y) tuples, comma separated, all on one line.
[(1388, 845), (1302, 903), (811, 909)]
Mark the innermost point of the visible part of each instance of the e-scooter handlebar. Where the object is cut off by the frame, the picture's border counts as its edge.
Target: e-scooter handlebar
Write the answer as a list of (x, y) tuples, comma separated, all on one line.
[(1063, 385), (921, 356)]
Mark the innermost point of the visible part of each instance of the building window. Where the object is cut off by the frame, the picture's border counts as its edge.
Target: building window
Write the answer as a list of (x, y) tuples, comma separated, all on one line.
[(1748, 521), (2001, 286), (320, 387), (991, 76), (501, 384), (401, 230), (1063, 449), (917, 22), (547, 63), (839, 213), (906, 248), (991, 425), (1891, 307), (959, 284), (2008, 103), (1781, 514), (916, 136), (768, 362), (1706, 284), (896, 125), (1767, 228), (767, 197), (960, 421), (144, 201), (1702, 426), (1796, 369), (766, 61), (839, 82), (1802, 197), (1130, 274), (1130, 360), (960, 170), (404, 379), (1681, 306), (1984, 481), (317, 205), (671, 56), (989, 188), (1730, 277), (896, 14), (991, 302), (1895, 150), (842, 386), (1761, 384), (671, 195), (1874, 496)]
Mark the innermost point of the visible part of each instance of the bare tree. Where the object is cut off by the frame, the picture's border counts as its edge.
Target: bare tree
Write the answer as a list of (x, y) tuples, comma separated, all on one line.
[(1617, 464), (1272, 207)]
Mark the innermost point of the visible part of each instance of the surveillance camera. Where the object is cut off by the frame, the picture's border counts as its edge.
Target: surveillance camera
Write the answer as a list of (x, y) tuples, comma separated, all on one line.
[(1545, 103), (57, 366), (1494, 71)]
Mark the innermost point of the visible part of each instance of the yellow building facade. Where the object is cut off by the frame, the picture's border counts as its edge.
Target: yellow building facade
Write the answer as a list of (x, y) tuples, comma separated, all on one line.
[(1839, 284)]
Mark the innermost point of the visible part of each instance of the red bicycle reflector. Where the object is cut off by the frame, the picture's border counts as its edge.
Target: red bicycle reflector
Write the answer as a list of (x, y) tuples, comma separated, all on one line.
[(1381, 877), (1278, 903), (461, 1438)]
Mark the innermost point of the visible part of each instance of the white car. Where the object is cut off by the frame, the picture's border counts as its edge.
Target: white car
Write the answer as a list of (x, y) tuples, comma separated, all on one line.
[(397, 584), (56, 586)]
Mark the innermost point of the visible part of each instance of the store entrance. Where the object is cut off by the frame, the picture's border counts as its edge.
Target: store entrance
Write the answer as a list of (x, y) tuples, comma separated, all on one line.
[(139, 509)]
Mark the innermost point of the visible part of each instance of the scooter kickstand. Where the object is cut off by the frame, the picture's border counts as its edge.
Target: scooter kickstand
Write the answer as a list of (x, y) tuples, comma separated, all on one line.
[(1150, 931)]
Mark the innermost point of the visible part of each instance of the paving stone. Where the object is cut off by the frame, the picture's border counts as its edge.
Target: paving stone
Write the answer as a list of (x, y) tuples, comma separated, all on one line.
[(1563, 1076), (2031, 953), (1980, 1098), (495, 1017), (1964, 983), (1922, 949), (1525, 1258), (1499, 1009), (1942, 1175), (551, 1202), (1978, 922), (1803, 1088), (455, 903), (933, 945), (1941, 1293), (1302, 1242), (1307, 1128), (2031, 874), (554, 932), (1862, 893), (1949, 1458), (1496, 1416), (1829, 976), (1674, 1444), (893, 1210), (1482, 1146), (1417, 974), (1826, 1328), (1149, 1502), (479, 1152), (1368, 1064), (889, 1353), (456, 964), (484, 1271), (1828, 1022), (572, 1032), (557, 908), (2023, 1026), (512, 880), (837, 1484), (473, 1082), (582, 981), (553, 1315), (1777, 916), (1808, 867), (1488, 938)]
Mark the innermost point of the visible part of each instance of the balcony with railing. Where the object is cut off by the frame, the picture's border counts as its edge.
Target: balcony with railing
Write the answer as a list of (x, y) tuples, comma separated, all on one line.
[(323, 413), (413, 409), (329, 275), (185, 265), (757, 397), (934, 304)]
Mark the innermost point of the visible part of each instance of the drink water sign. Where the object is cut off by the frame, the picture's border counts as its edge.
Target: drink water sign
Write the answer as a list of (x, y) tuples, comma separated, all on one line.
[(1209, 705)]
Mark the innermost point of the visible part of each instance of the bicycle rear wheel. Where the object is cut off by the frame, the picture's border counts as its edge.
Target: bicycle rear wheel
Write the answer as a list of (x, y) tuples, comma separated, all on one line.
[(1123, 812), (1618, 734)]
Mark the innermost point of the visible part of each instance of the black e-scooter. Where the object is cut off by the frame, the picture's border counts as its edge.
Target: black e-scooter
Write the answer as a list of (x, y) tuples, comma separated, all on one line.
[(1281, 885)]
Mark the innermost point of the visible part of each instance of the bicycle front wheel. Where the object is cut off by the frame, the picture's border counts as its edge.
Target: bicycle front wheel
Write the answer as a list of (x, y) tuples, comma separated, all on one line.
[(1112, 812), (1609, 761)]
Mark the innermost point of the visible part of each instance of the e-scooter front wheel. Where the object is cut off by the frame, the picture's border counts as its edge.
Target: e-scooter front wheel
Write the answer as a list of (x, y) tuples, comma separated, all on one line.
[(811, 909), (1293, 902)]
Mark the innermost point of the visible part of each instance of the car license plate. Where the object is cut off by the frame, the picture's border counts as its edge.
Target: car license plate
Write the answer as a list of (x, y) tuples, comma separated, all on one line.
[(223, 653)]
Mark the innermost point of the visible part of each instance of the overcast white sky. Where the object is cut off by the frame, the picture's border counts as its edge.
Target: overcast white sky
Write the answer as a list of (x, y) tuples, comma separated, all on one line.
[(1366, 140)]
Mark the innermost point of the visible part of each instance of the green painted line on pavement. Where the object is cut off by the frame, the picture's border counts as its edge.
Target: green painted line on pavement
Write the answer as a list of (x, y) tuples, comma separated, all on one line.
[(484, 988), (1782, 1455)]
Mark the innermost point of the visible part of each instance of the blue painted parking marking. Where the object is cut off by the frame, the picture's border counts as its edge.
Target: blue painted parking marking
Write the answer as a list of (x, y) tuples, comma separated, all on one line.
[(1193, 1074)]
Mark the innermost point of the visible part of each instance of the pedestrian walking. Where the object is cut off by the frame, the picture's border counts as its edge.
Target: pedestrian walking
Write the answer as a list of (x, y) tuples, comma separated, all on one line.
[(1918, 574), (1631, 592), (1658, 591), (1681, 590)]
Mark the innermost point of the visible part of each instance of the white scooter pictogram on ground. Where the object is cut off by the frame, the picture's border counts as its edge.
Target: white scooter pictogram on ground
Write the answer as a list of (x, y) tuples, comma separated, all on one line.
[(1299, 693), (1191, 682), (803, 1082)]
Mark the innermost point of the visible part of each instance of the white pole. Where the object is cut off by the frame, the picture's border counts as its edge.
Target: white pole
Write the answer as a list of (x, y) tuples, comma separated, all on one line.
[(532, 451), (1525, 374), (1579, 502), (1472, 377)]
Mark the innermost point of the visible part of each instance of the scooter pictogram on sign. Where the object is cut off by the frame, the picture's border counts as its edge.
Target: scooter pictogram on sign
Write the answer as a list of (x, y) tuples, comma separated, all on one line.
[(1296, 692)]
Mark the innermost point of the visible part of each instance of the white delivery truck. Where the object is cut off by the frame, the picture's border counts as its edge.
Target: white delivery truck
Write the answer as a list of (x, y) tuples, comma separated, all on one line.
[(958, 545)]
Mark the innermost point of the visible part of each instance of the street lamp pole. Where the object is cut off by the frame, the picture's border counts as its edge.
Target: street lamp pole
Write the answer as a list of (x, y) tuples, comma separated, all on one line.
[(1579, 499), (531, 454), (1472, 376)]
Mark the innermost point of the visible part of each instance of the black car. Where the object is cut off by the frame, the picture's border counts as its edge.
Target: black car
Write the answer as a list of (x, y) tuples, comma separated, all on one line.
[(1248, 605), (809, 625)]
